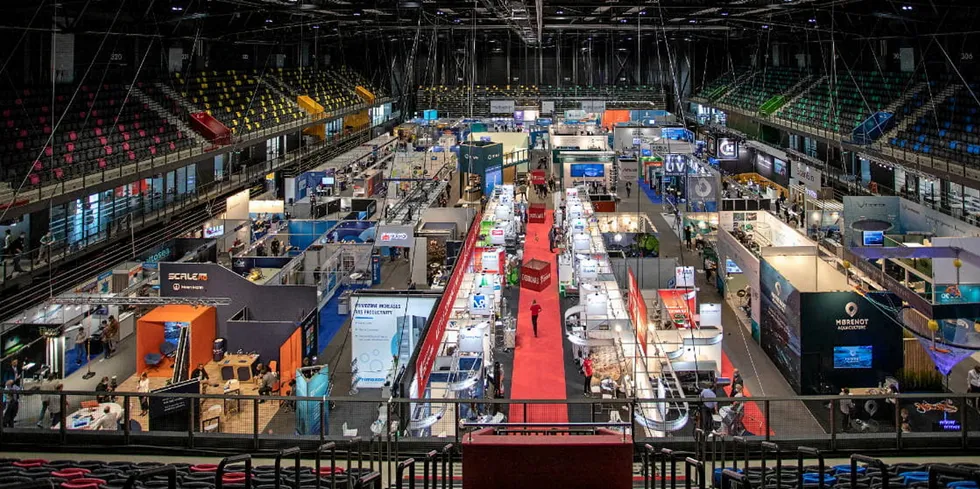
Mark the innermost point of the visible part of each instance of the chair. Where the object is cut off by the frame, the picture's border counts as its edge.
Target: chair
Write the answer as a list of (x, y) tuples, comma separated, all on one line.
[(167, 349), (348, 432), (152, 360), (228, 373)]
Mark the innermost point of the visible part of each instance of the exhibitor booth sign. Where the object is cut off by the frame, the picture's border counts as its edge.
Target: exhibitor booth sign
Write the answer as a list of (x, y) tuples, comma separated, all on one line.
[(395, 235)]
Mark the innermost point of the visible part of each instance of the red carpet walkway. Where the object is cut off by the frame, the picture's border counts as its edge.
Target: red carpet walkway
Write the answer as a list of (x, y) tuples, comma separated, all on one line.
[(539, 371), (754, 420)]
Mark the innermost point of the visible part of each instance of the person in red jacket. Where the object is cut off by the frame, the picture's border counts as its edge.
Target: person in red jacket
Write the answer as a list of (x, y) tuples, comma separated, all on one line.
[(587, 372), (535, 310)]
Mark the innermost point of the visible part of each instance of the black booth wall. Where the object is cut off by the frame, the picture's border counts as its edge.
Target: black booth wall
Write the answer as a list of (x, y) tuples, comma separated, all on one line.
[(829, 322), (744, 164), (883, 175), (265, 302)]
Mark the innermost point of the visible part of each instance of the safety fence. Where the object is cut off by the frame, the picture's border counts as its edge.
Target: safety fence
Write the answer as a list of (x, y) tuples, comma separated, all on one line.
[(247, 422)]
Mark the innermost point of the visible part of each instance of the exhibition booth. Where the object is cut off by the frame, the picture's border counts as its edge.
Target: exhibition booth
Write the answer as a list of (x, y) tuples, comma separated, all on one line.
[(334, 176), (846, 340), (172, 340), (930, 260), (743, 238), (514, 147), (455, 353)]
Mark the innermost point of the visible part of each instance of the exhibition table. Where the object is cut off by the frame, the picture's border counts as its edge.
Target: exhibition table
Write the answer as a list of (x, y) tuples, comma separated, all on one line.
[(85, 417), (238, 366)]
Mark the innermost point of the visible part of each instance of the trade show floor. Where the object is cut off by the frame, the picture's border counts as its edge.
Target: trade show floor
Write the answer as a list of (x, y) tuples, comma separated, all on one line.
[(760, 375), (538, 371)]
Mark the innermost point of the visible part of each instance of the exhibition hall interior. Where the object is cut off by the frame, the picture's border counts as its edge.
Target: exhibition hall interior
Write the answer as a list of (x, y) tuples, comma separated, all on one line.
[(302, 243)]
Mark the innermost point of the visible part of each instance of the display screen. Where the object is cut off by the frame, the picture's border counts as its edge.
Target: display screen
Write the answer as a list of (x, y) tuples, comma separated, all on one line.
[(874, 238), (588, 170), (852, 356), (731, 267), (779, 166), (327, 180)]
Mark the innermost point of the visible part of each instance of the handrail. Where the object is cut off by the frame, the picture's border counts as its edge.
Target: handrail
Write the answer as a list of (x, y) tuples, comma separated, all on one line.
[(649, 466), (169, 470), (400, 473), (690, 462), (288, 452), (855, 458), (800, 452), (766, 447), (430, 459), (332, 447), (220, 472), (937, 470)]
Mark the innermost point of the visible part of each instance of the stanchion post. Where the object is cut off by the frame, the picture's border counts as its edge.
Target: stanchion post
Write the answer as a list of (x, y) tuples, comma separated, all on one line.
[(332, 447), (882, 466), (447, 466), (430, 459)]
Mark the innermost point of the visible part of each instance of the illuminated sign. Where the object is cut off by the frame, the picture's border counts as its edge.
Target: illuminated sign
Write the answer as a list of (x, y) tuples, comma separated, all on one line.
[(385, 237), (192, 277)]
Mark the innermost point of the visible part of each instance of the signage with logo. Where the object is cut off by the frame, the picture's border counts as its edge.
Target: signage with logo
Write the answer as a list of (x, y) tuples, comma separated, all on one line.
[(675, 165), (727, 149), (380, 326), (807, 175), (763, 165), (701, 188), (214, 231), (400, 236), (684, 277), (480, 305), (547, 106), (187, 281)]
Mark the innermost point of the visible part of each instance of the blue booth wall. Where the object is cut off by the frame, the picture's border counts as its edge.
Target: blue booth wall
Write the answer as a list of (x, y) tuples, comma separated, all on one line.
[(302, 233)]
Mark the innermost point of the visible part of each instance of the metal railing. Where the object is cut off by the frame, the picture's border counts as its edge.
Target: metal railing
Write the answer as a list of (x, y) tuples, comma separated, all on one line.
[(885, 423)]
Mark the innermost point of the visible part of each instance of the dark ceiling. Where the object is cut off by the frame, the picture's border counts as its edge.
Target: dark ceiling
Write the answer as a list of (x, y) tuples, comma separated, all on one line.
[(531, 22)]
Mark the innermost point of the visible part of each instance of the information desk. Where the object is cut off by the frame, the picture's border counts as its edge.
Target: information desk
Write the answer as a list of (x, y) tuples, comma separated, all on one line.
[(85, 417)]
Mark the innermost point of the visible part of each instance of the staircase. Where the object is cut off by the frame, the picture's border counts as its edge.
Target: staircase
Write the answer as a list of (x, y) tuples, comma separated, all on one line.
[(719, 93), (270, 82), (187, 106), (163, 112), (927, 107), (900, 101)]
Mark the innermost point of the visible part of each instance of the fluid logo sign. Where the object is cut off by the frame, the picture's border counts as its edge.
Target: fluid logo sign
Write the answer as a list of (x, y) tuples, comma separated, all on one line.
[(850, 323), (703, 188), (777, 296)]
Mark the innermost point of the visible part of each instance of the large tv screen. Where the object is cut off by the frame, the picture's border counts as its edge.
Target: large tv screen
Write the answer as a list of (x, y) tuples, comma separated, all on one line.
[(587, 170), (852, 356), (874, 238)]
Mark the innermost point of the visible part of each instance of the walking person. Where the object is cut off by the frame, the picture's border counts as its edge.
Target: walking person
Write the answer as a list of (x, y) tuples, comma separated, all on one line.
[(11, 403), (46, 241), (629, 188), (535, 310), (688, 236), (587, 371), (846, 408), (973, 382), (81, 345), (708, 407), (143, 386), (551, 239)]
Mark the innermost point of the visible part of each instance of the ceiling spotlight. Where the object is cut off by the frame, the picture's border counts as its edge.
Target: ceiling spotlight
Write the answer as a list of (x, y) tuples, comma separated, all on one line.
[(177, 8), (560, 11), (357, 14), (316, 27), (813, 21), (906, 7), (765, 26), (622, 21), (268, 21), (440, 12), (724, 14), (643, 12), (693, 21)]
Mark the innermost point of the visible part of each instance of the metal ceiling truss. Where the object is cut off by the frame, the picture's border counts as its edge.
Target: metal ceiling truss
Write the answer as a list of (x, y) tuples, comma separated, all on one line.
[(105, 300)]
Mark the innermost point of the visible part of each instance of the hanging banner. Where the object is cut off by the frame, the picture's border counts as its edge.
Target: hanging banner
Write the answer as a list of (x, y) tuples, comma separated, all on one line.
[(637, 309), (547, 107), (502, 107), (378, 327)]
